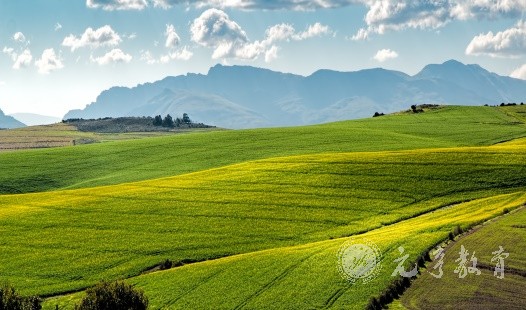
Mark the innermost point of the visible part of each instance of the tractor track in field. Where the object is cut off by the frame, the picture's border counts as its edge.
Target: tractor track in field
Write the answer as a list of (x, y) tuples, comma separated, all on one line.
[(278, 278)]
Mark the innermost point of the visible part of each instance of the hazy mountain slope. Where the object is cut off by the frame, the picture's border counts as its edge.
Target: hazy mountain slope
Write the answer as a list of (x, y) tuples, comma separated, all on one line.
[(243, 96), (9, 121), (32, 119)]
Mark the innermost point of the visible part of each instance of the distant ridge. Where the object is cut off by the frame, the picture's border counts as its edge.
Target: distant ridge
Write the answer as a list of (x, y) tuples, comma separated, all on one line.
[(245, 97), (8, 122), (32, 119)]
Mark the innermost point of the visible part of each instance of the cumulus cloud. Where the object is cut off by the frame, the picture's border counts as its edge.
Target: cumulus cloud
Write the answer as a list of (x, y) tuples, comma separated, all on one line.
[(19, 37), (110, 5), (386, 15), (49, 62), (508, 43), (315, 30), (465, 10), (271, 54), (519, 73), (58, 26), (214, 29), (172, 38), (23, 60), (104, 36), (385, 54), (10, 52), (182, 54), (147, 57), (116, 55)]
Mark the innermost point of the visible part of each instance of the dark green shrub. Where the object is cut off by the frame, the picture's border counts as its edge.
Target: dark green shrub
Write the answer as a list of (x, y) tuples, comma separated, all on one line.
[(10, 300), (167, 264), (113, 296), (373, 304)]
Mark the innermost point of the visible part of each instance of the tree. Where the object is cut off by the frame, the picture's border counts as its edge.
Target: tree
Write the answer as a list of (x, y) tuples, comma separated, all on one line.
[(158, 120), (186, 119), (413, 107), (168, 121), (113, 296)]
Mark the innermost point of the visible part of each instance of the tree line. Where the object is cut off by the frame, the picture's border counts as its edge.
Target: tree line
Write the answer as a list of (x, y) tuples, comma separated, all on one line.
[(169, 122)]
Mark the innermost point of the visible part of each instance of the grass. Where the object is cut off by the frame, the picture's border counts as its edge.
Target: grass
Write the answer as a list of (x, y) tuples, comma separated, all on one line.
[(304, 276), (264, 211), (483, 291), (127, 161), (119, 231)]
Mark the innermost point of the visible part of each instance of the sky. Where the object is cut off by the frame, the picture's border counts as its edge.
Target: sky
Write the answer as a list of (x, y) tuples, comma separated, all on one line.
[(58, 55)]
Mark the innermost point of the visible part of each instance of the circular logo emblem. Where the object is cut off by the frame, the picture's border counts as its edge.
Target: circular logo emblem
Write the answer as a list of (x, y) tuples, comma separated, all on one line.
[(359, 261)]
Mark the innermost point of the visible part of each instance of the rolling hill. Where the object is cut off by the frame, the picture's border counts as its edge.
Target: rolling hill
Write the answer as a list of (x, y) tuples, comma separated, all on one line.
[(103, 164), (122, 230), (246, 97), (255, 218)]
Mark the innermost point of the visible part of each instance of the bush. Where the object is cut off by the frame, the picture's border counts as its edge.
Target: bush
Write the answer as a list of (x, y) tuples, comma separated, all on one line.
[(167, 264), (10, 300), (113, 296)]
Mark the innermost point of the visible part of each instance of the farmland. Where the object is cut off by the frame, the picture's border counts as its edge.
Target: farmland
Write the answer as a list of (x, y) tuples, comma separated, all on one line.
[(258, 214), (103, 164), (484, 290)]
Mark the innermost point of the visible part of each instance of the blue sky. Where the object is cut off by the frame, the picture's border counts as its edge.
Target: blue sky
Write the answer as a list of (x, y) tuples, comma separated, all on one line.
[(59, 55)]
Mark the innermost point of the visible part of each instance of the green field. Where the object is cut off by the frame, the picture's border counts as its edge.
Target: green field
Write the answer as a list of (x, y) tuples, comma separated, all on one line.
[(127, 161), (265, 211)]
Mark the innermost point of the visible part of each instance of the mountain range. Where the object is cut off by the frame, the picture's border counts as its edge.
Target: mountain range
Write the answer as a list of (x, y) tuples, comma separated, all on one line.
[(245, 97), (7, 122)]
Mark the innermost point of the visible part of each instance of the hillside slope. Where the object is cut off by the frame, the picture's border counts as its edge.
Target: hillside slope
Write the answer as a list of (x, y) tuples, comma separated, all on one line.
[(126, 161), (122, 230), (248, 97)]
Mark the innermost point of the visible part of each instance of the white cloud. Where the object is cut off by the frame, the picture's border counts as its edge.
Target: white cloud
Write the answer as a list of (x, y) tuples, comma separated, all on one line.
[(271, 54), (2, 83), (110, 5), (214, 29), (183, 54), (19, 37), (104, 36), (519, 73), (172, 38), (23, 60), (385, 54), (148, 57), (116, 55), (508, 43), (10, 52), (386, 15), (58, 26), (398, 15), (315, 30), (49, 62), (464, 10)]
